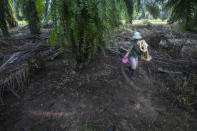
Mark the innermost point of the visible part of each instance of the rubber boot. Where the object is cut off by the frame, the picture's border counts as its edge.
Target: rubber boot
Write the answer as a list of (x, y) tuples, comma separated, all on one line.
[(110, 127), (132, 74)]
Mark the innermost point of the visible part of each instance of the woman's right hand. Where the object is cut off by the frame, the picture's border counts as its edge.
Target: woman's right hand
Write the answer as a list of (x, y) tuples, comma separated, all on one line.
[(126, 55)]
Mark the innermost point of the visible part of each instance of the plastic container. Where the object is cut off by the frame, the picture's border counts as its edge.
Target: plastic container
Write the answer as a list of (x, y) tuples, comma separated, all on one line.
[(124, 60)]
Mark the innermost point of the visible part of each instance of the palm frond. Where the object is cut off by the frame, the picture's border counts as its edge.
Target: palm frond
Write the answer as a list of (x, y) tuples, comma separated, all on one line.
[(86, 24), (182, 11)]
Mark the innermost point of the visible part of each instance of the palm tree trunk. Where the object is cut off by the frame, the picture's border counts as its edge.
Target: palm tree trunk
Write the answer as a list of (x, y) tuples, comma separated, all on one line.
[(9, 15), (3, 25), (46, 7), (32, 17), (10, 19), (130, 9)]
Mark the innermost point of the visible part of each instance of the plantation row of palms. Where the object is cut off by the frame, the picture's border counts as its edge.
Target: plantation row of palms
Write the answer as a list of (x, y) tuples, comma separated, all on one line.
[(89, 24)]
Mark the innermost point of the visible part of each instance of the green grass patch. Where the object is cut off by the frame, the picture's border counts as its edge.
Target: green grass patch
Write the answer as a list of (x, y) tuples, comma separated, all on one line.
[(146, 21), (22, 23)]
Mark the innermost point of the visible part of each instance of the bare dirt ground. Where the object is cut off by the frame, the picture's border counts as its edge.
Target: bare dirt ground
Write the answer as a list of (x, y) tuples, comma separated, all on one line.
[(60, 98)]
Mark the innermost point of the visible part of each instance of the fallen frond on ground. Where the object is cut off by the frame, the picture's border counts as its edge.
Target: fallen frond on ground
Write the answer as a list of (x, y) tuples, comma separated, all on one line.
[(14, 72)]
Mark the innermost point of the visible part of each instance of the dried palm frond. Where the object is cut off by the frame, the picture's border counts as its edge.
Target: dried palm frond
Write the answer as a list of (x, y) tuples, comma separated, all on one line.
[(14, 73), (15, 80)]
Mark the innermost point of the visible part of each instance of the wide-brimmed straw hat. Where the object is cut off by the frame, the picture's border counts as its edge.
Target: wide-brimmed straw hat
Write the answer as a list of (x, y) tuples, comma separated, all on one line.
[(137, 36)]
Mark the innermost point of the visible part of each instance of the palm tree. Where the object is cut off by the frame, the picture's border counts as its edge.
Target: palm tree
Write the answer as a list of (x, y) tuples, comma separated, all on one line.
[(32, 15), (86, 24), (183, 11), (130, 8), (46, 10), (3, 10), (9, 15), (153, 9)]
